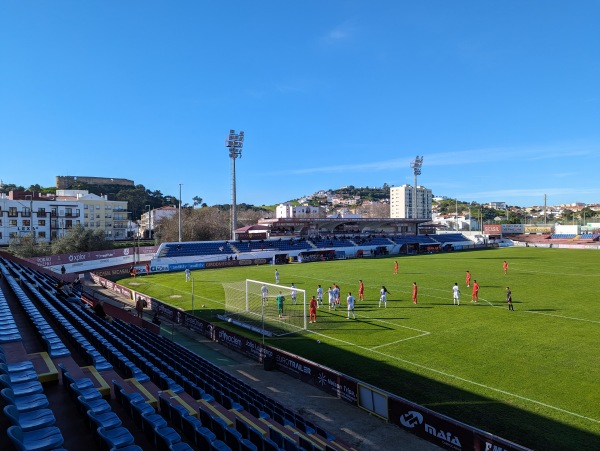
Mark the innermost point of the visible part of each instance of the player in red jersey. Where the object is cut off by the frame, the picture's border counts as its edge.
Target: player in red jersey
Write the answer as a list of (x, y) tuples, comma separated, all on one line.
[(468, 279), (414, 293), (313, 310), (475, 295), (505, 267), (396, 267), (361, 290)]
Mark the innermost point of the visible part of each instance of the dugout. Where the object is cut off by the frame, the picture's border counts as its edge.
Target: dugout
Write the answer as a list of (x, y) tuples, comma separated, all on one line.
[(316, 256)]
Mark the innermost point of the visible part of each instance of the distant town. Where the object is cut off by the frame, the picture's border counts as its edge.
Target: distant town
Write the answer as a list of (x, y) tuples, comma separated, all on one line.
[(124, 211)]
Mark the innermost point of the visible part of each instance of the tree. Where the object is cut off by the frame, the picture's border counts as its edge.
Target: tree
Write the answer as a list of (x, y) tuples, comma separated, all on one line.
[(197, 201), (79, 239), (567, 214), (587, 213), (26, 247)]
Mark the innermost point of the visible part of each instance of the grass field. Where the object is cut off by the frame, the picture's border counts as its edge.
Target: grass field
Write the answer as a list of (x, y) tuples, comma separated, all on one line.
[(532, 375)]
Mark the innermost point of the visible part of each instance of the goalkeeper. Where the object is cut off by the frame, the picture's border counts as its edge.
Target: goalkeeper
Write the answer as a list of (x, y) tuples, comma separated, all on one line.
[(280, 300)]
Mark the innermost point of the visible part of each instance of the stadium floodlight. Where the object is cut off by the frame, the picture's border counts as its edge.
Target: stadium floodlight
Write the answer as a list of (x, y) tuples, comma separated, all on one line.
[(416, 166), (234, 142)]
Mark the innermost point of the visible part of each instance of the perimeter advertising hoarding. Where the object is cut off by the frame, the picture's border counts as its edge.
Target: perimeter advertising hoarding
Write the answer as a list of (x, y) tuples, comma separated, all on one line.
[(65, 259), (112, 286), (183, 266), (492, 229), (334, 383), (513, 228), (538, 229), (444, 431)]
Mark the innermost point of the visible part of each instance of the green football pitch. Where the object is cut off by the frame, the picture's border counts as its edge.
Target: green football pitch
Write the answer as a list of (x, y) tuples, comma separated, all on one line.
[(531, 376)]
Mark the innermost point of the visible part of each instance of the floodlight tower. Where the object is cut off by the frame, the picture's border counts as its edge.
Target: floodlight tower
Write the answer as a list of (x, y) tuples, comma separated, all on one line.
[(235, 142), (416, 165)]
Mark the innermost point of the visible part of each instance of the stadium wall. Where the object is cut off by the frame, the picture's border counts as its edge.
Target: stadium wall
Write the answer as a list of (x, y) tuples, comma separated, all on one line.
[(87, 261), (425, 423)]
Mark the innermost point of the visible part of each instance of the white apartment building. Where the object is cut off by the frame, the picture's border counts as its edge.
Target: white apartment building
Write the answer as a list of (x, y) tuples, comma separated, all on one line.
[(43, 219), (99, 213), (401, 202), (287, 210)]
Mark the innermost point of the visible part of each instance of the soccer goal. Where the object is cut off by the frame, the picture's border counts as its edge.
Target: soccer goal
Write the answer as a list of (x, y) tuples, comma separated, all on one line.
[(254, 305)]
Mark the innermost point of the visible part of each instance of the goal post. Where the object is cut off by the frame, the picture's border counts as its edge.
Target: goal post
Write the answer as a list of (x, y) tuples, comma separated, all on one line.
[(261, 306)]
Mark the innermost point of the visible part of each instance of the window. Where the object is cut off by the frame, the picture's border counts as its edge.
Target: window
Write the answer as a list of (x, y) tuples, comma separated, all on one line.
[(25, 212), (41, 234), (26, 223), (85, 207), (12, 222), (68, 224), (12, 212), (77, 212), (41, 212), (68, 212), (53, 212), (41, 222)]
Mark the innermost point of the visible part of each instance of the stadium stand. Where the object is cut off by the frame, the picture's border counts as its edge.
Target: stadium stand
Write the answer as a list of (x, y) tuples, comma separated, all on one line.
[(333, 242), (200, 406)]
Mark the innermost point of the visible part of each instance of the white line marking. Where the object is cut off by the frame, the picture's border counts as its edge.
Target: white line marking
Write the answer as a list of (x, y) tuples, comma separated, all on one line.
[(562, 316), (398, 341), (452, 376), (546, 314)]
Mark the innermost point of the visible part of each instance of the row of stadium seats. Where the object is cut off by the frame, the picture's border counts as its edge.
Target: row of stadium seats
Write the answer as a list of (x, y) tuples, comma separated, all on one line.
[(139, 353), (236, 247), (590, 236)]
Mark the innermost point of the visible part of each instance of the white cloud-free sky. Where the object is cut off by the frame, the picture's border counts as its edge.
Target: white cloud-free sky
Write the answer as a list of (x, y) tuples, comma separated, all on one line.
[(502, 99)]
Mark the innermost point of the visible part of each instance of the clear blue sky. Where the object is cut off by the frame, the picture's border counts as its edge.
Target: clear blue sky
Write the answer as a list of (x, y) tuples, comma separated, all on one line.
[(502, 99)]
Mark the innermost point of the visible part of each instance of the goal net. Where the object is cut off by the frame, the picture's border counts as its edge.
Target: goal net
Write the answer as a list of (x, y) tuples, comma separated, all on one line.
[(254, 305)]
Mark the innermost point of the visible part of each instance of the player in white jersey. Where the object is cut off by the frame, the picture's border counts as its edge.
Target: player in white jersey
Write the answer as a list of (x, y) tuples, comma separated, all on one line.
[(265, 294), (319, 296), (293, 294), (383, 296), (331, 294)]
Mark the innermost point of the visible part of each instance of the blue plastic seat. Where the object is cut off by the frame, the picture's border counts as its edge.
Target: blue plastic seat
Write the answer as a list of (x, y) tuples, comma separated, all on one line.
[(18, 376), (22, 388), (177, 414), (150, 424), (140, 410), (189, 425), (16, 366), (25, 403), (28, 421), (96, 406), (165, 437), (88, 394), (247, 445), (180, 446), (204, 437), (106, 420), (117, 437), (232, 438), (38, 440), (128, 448)]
